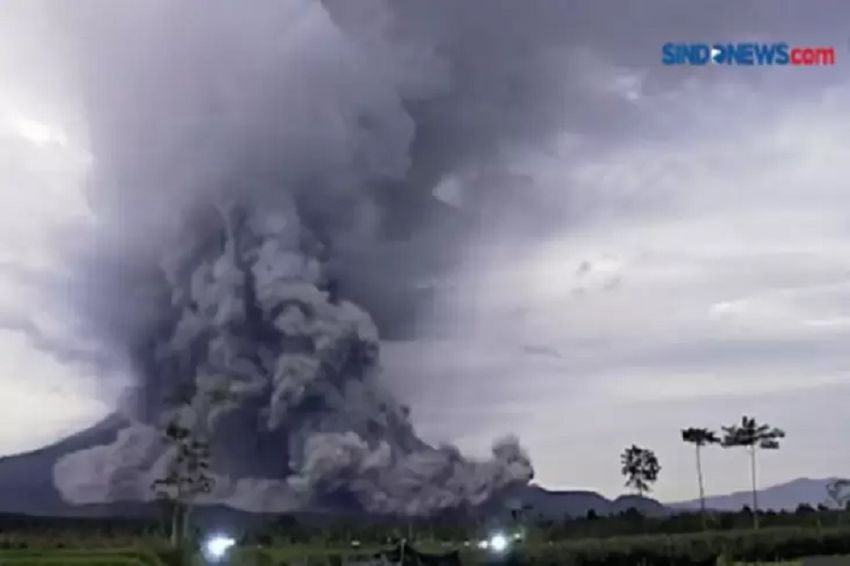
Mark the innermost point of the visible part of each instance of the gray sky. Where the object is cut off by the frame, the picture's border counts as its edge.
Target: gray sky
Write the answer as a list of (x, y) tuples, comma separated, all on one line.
[(692, 265)]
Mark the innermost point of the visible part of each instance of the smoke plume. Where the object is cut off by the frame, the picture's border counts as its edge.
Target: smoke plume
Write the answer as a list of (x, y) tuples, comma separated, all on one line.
[(252, 165)]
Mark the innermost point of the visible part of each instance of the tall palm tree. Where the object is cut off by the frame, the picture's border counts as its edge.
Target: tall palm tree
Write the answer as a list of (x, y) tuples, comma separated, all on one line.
[(700, 437), (752, 436)]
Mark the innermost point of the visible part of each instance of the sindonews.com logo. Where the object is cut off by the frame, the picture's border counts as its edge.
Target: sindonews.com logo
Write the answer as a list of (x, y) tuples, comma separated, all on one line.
[(745, 54)]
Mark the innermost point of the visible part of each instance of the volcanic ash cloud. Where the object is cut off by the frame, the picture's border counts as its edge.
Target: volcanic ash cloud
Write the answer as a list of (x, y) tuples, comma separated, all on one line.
[(247, 163), (283, 376)]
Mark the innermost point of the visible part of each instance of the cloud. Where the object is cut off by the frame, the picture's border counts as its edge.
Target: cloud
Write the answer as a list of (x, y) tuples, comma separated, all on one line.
[(43, 161), (68, 398), (727, 242)]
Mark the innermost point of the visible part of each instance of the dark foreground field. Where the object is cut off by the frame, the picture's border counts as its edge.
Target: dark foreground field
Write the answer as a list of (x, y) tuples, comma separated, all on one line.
[(316, 557), (789, 546)]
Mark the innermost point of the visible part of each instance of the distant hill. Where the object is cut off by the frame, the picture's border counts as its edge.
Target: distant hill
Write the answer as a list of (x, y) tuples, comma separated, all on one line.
[(26, 480), (785, 496), (26, 486), (539, 503)]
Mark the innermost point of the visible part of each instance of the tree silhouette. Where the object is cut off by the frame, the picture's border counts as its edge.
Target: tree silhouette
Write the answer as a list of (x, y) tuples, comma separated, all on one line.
[(838, 496), (700, 437), (186, 477), (641, 467), (752, 436)]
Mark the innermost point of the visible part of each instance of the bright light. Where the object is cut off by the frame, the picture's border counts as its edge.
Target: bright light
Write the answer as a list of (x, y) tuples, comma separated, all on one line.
[(483, 544), (216, 547), (498, 542)]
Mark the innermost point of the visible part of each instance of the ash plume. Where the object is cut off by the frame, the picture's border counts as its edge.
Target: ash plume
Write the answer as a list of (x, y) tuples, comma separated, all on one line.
[(251, 164), (282, 374)]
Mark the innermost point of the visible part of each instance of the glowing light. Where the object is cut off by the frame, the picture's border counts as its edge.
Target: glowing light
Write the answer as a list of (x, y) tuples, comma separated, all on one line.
[(498, 542), (216, 547)]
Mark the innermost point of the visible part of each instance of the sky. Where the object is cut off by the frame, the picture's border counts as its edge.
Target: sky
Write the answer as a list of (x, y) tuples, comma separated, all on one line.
[(44, 166), (724, 296), (694, 266)]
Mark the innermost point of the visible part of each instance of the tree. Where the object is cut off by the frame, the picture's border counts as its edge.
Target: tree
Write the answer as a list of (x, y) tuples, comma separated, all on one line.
[(186, 477), (837, 494), (641, 468), (752, 436), (836, 490), (700, 437)]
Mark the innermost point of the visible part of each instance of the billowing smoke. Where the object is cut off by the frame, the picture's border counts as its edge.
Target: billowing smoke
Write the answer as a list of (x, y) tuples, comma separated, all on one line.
[(252, 163), (282, 373)]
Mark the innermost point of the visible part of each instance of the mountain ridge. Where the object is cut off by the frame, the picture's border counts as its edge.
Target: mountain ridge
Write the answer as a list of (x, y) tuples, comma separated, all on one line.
[(26, 482), (786, 496)]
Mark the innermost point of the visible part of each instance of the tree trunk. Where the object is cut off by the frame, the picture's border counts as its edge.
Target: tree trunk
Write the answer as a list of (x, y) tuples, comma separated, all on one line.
[(187, 508), (755, 491), (701, 489), (175, 524)]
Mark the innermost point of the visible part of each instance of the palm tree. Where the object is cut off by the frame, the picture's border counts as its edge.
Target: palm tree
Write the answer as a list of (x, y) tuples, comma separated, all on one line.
[(752, 436), (700, 437)]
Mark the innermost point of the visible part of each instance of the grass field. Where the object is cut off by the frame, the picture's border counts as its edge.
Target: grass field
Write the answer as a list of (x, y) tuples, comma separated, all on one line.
[(693, 548), (248, 557), (274, 555), (78, 557)]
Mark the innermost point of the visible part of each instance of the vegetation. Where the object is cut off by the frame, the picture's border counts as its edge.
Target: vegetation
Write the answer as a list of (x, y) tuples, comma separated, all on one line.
[(107, 557), (838, 497), (707, 537), (700, 437), (704, 548), (628, 538), (187, 476), (641, 468), (752, 436)]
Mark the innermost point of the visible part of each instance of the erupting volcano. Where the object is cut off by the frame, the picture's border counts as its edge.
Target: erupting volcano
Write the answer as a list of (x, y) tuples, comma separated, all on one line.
[(246, 163), (282, 374)]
